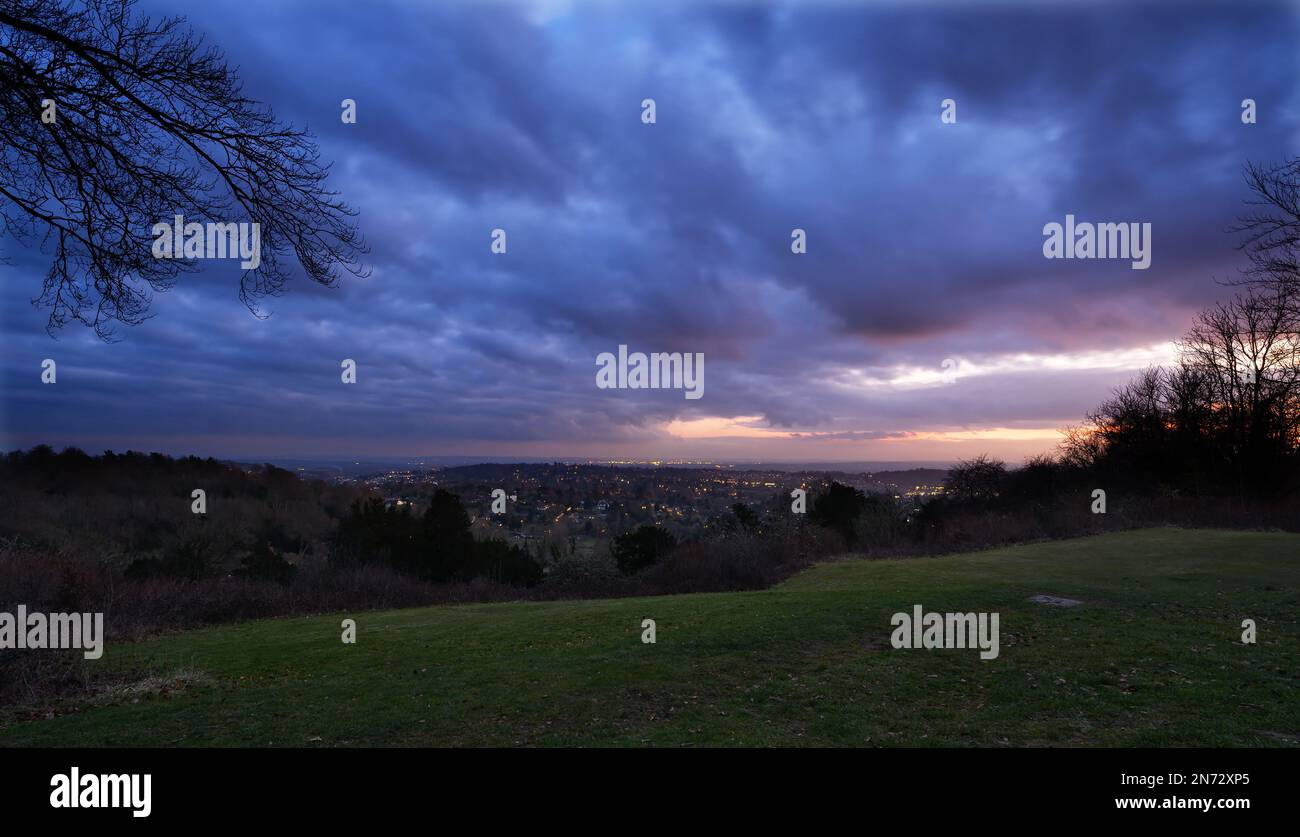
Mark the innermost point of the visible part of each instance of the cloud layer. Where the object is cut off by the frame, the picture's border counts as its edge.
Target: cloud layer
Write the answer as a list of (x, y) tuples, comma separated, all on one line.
[(924, 239)]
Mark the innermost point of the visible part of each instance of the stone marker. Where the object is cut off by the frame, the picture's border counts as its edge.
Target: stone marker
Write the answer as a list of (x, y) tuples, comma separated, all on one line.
[(1056, 601)]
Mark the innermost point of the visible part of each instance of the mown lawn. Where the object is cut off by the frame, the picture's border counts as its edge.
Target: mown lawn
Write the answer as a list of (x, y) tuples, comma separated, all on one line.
[(1153, 658)]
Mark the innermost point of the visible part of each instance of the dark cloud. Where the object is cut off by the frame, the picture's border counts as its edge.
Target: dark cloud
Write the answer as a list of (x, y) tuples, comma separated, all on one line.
[(924, 239)]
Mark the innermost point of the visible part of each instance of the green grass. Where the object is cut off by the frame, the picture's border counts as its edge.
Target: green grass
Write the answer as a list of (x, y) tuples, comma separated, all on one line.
[(1153, 658)]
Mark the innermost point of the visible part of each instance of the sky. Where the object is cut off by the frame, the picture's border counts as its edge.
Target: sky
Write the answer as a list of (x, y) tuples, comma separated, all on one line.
[(922, 323)]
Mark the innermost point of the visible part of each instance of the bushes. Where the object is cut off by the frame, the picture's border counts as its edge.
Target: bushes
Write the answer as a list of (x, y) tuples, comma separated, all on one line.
[(504, 563), (579, 577), (642, 547), (188, 559), (373, 533), (138, 607), (737, 559), (741, 558), (124, 508), (436, 546), (1048, 498), (838, 509), (880, 521), (740, 562), (265, 563)]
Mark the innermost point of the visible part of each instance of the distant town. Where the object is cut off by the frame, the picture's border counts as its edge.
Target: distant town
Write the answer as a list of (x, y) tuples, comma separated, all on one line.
[(576, 508)]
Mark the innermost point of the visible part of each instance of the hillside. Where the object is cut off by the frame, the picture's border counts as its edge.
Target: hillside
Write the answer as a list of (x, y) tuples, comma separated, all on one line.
[(1152, 657)]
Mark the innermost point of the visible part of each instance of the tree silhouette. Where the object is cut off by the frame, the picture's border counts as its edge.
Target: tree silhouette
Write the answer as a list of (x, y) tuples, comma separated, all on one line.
[(838, 509), (641, 548), (147, 122), (976, 480), (1272, 231), (1226, 415)]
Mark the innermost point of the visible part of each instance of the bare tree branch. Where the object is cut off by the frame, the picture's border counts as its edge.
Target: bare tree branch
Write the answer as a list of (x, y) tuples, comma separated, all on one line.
[(150, 123)]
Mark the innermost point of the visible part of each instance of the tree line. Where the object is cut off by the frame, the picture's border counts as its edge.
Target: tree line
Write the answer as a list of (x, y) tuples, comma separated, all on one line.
[(1225, 417)]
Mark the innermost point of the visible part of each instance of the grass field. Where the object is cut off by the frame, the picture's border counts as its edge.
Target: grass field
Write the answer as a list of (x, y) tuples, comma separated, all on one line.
[(1152, 658)]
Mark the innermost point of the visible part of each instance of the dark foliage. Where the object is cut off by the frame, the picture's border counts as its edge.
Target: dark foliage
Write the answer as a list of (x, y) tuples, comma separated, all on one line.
[(264, 562), (838, 509), (436, 546), (976, 480), (747, 519), (641, 548)]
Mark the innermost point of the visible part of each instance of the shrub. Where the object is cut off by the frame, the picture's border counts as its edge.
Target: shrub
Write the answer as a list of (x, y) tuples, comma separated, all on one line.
[(265, 563), (505, 563), (641, 548), (577, 576), (838, 509)]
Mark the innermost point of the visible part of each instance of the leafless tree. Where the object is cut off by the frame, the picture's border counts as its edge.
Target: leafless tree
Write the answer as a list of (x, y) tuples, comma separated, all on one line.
[(149, 122), (1229, 409), (980, 478), (1271, 232), (1248, 352)]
